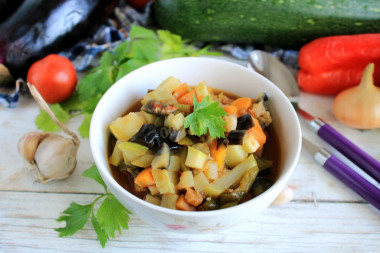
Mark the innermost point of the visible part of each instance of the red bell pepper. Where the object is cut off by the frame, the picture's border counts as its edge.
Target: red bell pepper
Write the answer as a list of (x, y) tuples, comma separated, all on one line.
[(331, 64)]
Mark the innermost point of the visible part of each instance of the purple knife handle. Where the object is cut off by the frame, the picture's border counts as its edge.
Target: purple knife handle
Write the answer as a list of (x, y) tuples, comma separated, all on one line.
[(350, 150), (350, 178)]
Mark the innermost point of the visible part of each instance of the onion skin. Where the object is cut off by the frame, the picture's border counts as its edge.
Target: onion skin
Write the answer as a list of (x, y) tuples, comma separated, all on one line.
[(359, 107)]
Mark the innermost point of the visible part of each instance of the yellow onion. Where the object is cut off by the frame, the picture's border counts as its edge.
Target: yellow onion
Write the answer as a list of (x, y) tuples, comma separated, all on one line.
[(359, 107)]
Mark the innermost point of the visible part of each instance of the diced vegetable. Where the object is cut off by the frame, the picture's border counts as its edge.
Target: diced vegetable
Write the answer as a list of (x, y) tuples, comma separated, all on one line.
[(153, 190), (193, 197), (174, 177), (132, 151), (250, 144), (242, 104), (213, 146), (148, 135), (175, 121), (260, 185), (200, 182), (203, 147), (181, 204), (245, 122), (185, 142), (201, 91), (145, 178), (187, 98), (235, 137), (221, 184), (169, 85), (175, 163), (160, 96), (153, 200), (150, 118), (181, 90), (163, 182), (259, 133), (123, 128), (231, 110), (159, 108), (195, 158), (169, 200), (116, 156), (145, 160), (177, 135), (220, 156), (231, 122), (162, 158), (211, 170), (235, 154), (186, 180)]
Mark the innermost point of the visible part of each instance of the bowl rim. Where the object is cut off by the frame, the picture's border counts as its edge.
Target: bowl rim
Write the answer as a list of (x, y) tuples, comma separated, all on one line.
[(109, 179)]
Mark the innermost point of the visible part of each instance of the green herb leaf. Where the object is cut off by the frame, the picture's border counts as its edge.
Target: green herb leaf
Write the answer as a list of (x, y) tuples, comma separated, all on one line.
[(100, 231), (45, 123), (113, 216), (84, 128), (207, 116), (93, 173), (76, 216)]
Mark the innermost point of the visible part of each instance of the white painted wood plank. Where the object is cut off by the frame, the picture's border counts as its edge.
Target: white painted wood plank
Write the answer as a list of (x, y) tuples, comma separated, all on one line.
[(27, 222)]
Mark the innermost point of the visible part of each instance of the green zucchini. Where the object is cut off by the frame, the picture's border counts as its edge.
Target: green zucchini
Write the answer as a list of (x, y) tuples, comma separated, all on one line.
[(283, 23)]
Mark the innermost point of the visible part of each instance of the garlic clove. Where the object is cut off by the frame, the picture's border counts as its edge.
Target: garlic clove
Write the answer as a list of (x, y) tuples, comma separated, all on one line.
[(48, 156), (55, 158), (285, 196), (28, 144)]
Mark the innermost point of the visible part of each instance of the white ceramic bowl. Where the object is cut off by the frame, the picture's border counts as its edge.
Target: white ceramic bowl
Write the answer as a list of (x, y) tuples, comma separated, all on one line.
[(219, 74)]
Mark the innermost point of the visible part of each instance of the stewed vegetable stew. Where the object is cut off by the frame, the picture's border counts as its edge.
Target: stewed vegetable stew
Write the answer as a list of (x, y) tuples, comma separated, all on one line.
[(194, 148)]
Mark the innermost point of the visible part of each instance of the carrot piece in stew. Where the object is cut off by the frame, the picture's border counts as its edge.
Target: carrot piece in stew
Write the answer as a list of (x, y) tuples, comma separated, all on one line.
[(213, 146), (181, 90), (187, 98), (231, 110), (181, 204), (258, 132), (193, 197), (145, 178), (242, 104), (220, 156)]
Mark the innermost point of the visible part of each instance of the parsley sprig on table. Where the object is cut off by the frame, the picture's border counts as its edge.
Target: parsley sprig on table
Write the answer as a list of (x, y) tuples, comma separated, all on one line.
[(109, 218), (206, 116), (144, 46)]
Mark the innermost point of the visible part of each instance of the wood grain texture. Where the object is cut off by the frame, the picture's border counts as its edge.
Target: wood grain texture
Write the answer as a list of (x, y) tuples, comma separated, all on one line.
[(325, 216)]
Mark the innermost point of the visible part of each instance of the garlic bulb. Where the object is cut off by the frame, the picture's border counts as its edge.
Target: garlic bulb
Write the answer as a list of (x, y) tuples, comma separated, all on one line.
[(49, 156), (359, 107)]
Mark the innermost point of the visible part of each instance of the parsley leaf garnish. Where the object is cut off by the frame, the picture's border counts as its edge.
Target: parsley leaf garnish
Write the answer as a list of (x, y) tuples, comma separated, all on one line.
[(109, 218), (207, 116)]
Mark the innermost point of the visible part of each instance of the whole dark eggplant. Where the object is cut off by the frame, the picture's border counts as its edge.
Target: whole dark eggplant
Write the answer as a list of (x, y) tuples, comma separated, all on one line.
[(8, 7), (42, 27)]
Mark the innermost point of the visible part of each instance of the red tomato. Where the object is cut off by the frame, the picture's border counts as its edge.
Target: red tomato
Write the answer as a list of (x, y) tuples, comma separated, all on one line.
[(138, 4), (54, 77)]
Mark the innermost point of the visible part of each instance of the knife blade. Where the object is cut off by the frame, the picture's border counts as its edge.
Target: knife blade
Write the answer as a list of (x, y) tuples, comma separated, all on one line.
[(344, 173), (326, 132)]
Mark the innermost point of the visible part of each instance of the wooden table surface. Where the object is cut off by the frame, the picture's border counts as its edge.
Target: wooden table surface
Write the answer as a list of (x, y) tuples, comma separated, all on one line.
[(324, 216)]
